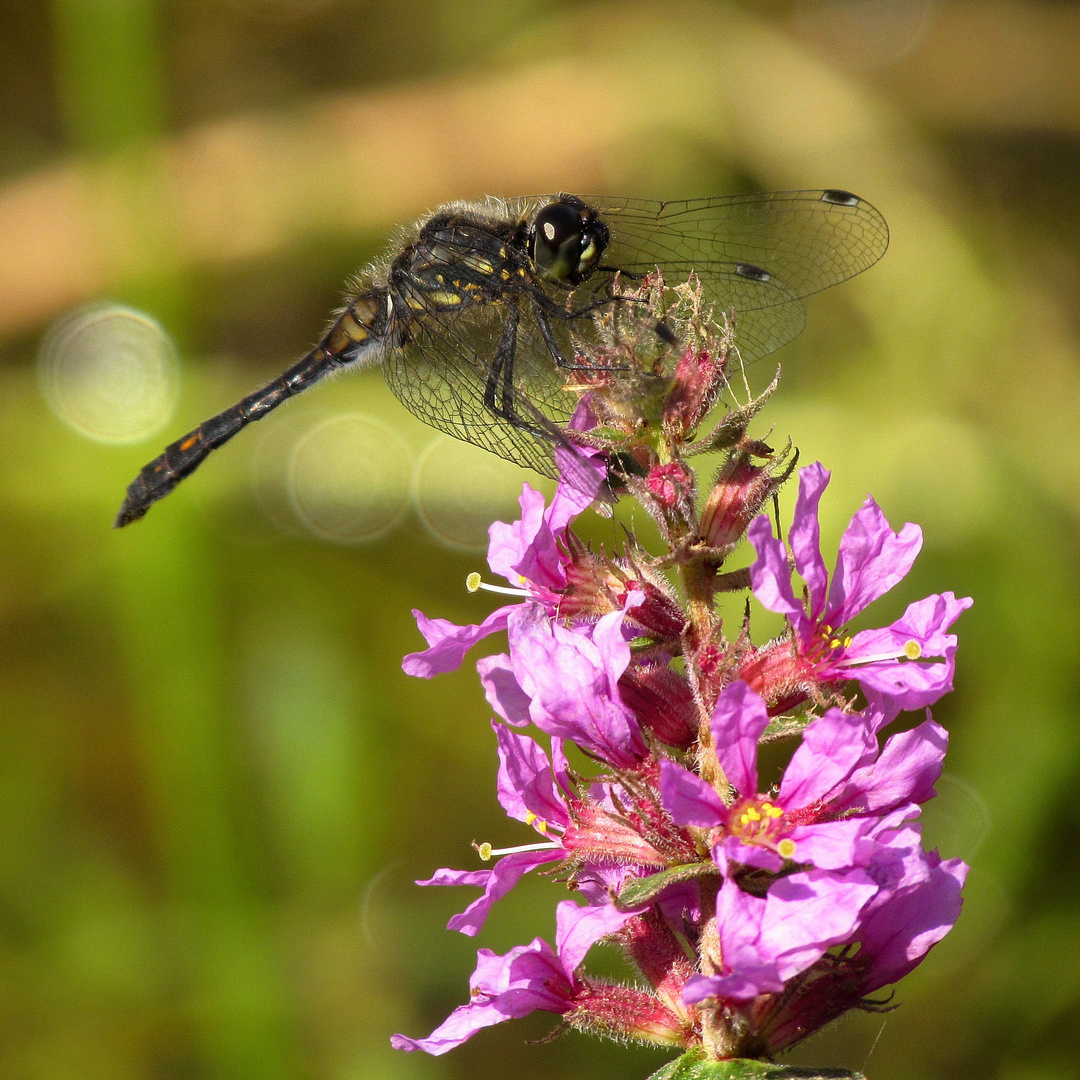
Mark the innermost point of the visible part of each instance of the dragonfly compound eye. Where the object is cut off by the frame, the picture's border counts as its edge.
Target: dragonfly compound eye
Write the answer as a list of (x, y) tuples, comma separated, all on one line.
[(557, 238)]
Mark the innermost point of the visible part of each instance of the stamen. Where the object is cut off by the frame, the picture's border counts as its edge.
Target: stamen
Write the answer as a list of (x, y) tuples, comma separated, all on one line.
[(911, 650), (474, 583), (487, 852), (786, 849)]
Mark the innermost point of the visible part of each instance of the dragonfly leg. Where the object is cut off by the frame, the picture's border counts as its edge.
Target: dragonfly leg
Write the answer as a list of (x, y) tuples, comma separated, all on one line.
[(500, 394), (499, 389), (557, 355)]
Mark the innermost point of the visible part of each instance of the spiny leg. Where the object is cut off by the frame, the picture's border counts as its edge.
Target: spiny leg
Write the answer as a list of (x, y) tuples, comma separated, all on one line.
[(544, 309), (502, 400), (499, 389), (500, 395)]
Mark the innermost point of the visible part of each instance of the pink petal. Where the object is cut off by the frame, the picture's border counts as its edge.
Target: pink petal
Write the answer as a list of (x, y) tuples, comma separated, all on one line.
[(579, 928), (510, 544), (906, 771), (809, 912), (526, 783), (901, 932), (687, 798), (502, 690), (832, 747), (738, 721), (448, 643), (500, 879), (831, 845), (770, 574), (804, 536), (872, 560)]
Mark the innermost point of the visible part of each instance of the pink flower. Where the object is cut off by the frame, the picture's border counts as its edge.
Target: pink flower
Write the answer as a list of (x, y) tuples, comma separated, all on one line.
[(833, 794), (530, 554), (527, 978), (604, 844), (889, 663), (764, 942)]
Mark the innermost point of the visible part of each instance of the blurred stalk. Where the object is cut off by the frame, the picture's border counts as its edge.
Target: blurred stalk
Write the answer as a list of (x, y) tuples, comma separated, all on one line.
[(111, 85), (173, 633)]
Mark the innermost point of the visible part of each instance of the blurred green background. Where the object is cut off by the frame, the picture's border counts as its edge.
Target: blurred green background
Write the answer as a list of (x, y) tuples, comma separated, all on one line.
[(216, 786)]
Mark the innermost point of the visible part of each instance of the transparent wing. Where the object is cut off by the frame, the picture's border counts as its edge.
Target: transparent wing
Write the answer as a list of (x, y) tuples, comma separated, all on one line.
[(441, 372), (756, 255)]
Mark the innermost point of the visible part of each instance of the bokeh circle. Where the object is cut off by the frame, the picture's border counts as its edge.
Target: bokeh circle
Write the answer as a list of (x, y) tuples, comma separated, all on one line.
[(350, 478), (461, 490), (110, 373)]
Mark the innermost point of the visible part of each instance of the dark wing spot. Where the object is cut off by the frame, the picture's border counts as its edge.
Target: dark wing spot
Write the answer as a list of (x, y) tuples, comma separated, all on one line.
[(840, 198), (754, 273)]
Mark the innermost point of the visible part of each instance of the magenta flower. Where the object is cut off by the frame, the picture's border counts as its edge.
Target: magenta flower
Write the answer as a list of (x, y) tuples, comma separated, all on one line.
[(604, 844), (766, 941), (916, 902), (527, 978), (833, 794), (751, 918), (532, 791), (872, 559), (529, 553), (571, 680)]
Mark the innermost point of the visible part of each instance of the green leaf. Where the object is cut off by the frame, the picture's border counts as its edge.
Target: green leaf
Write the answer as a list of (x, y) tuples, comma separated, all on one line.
[(693, 1066), (643, 890)]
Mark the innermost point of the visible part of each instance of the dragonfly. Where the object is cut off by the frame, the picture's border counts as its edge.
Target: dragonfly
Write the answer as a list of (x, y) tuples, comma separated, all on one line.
[(477, 314)]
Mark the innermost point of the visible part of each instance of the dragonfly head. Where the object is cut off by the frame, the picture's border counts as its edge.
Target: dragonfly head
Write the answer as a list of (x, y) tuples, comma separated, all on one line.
[(567, 241)]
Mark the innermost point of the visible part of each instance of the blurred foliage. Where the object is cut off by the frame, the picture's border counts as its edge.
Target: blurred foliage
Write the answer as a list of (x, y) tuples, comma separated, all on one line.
[(217, 786)]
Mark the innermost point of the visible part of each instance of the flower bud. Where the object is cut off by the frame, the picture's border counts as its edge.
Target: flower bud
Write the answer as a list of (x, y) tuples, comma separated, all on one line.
[(599, 836), (662, 701), (777, 674), (739, 492), (670, 484), (696, 384), (628, 1013)]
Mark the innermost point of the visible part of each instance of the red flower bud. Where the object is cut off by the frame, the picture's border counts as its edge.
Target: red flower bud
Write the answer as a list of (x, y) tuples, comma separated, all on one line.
[(662, 701), (740, 491)]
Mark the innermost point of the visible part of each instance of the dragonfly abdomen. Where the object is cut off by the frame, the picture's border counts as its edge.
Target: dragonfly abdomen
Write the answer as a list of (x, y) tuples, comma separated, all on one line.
[(359, 332)]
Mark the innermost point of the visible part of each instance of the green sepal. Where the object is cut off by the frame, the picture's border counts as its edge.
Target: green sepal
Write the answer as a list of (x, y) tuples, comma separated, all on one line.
[(644, 890), (694, 1066)]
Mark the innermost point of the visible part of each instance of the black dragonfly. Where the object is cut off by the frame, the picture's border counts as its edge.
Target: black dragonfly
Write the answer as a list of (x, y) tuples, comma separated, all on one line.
[(476, 313)]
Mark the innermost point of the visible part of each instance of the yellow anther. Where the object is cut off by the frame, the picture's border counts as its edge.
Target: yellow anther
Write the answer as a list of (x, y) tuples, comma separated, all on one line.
[(530, 817), (786, 849), (774, 811), (541, 825), (834, 643), (484, 851), (847, 641), (826, 630), (472, 582), (912, 650), (752, 815)]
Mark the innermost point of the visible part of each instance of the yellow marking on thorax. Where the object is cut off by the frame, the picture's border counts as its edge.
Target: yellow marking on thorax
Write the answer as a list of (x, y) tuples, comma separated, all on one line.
[(444, 298)]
